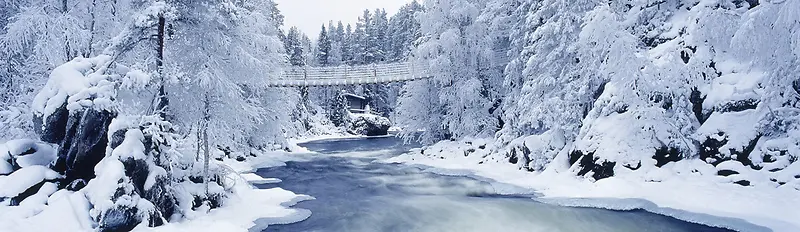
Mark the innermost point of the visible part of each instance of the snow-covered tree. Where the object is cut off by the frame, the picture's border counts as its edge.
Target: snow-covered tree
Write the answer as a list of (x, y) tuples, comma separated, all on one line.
[(323, 51), (403, 31), (359, 40), (294, 47), (348, 46), (376, 37), (457, 56)]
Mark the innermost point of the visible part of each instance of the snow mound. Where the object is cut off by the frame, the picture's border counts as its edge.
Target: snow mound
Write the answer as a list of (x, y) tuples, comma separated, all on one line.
[(22, 179), (25, 153), (732, 88), (250, 209)]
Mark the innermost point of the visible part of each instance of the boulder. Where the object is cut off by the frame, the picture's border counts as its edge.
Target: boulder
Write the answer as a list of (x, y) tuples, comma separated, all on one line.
[(25, 182), (586, 163), (83, 141), (369, 125), (121, 218)]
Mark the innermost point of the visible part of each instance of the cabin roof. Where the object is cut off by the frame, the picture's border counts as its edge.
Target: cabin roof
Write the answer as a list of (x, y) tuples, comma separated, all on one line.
[(354, 96)]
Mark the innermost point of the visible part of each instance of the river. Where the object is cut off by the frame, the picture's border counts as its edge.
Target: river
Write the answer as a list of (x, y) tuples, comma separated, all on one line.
[(354, 193)]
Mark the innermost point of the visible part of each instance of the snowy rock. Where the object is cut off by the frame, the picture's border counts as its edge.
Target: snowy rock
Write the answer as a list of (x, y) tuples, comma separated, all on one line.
[(74, 110), (534, 152), (26, 152), (25, 182), (588, 164), (5, 166), (79, 83), (84, 143), (130, 189), (368, 124)]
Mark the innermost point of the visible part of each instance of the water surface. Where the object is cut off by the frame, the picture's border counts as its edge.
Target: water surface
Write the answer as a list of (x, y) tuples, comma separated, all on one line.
[(354, 193)]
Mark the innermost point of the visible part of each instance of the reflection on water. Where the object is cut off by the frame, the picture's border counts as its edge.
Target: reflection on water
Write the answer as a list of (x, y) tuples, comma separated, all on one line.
[(356, 194)]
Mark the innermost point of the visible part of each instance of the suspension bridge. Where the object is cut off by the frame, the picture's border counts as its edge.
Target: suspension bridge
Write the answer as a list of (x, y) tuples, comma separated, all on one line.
[(362, 74), (349, 75)]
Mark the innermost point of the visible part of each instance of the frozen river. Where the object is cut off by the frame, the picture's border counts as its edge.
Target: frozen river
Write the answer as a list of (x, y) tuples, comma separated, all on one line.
[(354, 193)]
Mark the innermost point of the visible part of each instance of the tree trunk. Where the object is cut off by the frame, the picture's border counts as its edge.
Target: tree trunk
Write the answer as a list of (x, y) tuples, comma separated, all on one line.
[(199, 134), (161, 101), (90, 45), (206, 155)]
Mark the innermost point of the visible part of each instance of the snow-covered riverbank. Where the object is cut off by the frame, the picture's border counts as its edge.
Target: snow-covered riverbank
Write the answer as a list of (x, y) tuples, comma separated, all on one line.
[(67, 211), (678, 189)]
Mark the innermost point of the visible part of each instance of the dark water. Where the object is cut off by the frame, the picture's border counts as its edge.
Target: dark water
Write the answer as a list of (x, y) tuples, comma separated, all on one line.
[(356, 194)]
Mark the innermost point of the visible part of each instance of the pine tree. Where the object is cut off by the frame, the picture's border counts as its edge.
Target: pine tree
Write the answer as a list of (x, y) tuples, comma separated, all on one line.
[(332, 32), (310, 50), (348, 46), (403, 30), (377, 36), (361, 39), (294, 47), (323, 48), (340, 33), (339, 110)]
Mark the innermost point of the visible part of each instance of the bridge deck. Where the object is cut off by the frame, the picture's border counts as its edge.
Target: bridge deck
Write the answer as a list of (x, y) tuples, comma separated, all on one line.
[(360, 74), (348, 75)]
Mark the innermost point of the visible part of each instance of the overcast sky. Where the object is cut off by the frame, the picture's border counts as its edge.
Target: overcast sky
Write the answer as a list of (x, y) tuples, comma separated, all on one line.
[(309, 15)]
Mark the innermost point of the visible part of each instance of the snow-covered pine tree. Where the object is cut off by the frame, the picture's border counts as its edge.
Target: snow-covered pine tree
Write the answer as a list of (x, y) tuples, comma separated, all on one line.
[(403, 31), (336, 33), (376, 37), (340, 32), (294, 47), (348, 46), (309, 48), (359, 41), (323, 50)]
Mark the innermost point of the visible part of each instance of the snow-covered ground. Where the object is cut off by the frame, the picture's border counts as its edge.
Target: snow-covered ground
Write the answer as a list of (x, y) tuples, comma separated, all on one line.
[(674, 190), (68, 211), (251, 209), (241, 213)]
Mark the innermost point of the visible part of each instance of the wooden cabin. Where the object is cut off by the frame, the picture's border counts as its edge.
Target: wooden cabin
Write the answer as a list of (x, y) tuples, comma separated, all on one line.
[(357, 104)]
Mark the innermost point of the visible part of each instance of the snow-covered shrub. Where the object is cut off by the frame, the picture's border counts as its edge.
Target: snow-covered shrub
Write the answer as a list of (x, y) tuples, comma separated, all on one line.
[(144, 180), (15, 122)]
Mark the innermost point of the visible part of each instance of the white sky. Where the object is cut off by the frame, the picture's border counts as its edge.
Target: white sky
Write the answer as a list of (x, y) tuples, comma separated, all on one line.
[(309, 15)]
